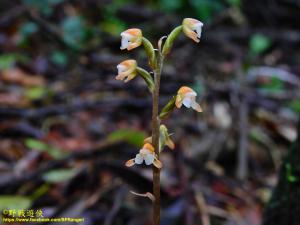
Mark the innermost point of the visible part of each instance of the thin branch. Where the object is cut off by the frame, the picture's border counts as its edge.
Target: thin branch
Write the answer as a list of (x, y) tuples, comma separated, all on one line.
[(115, 208), (242, 169), (202, 208)]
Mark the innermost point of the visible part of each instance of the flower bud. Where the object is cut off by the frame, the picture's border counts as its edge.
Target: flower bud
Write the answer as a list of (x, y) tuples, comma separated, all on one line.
[(165, 139)]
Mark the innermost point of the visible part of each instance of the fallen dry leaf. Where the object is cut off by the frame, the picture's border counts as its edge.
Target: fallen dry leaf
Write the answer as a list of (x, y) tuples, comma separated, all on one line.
[(18, 76)]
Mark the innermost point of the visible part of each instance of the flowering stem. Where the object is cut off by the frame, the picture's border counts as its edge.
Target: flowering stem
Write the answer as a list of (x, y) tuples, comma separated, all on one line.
[(128, 69), (155, 138)]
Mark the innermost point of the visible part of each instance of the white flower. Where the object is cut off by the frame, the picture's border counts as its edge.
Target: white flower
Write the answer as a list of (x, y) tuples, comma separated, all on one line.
[(147, 155), (192, 28), (131, 38), (144, 155), (187, 97), (127, 69)]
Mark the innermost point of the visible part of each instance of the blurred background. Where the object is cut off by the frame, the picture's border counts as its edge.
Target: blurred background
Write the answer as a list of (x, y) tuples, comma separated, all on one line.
[(67, 126)]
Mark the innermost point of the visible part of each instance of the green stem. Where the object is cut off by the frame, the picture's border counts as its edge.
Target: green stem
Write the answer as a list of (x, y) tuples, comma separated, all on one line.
[(155, 138)]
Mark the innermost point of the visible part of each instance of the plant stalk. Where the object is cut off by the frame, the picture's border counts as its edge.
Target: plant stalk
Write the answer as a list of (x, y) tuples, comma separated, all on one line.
[(155, 138)]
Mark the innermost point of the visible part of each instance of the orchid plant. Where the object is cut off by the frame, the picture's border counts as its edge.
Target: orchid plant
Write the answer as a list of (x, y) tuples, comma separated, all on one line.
[(129, 69)]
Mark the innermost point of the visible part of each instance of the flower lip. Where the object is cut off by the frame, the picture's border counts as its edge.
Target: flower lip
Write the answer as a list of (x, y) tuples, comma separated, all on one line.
[(198, 29), (146, 154), (131, 38), (192, 28), (121, 68)]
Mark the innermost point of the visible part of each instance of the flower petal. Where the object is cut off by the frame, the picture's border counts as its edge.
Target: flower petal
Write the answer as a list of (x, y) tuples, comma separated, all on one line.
[(130, 76), (187, 102), (198, 29), (184, 90), (170, 143), (178, 101), (125, 40), (121, 68), (133, 45), (120, 77), (196, 106), (148, 147), (157, 164), (191, 34), (149, 158), (148, 140), (129, 163), (138, 159)]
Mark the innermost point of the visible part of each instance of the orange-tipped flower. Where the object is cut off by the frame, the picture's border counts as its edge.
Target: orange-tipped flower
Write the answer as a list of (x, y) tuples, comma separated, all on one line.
[(192, 28), (146, 154), (131, 38), (187, 97), (127, 70)]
